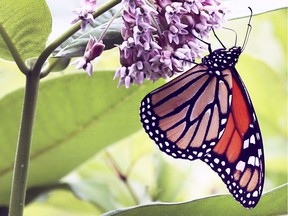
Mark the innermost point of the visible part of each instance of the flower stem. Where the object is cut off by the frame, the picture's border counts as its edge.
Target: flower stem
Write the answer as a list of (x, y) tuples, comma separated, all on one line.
[(20, 172), (57, 42)]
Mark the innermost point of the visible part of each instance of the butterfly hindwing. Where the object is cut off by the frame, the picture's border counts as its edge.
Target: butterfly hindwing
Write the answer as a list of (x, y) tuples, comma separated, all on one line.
[(238, 157)]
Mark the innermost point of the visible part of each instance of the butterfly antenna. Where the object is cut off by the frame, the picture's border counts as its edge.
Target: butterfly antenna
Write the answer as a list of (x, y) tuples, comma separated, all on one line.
[(236, 36), (208, 44), (248, 31), (218, 39)]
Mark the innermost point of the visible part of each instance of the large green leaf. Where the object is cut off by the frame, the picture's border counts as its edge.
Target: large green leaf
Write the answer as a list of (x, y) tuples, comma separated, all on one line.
[(25, 24), (272, 203), (76, 117)]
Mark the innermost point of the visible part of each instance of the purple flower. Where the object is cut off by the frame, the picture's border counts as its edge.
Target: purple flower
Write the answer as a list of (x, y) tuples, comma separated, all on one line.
[(84, 13), (93, 49), (159, 38)]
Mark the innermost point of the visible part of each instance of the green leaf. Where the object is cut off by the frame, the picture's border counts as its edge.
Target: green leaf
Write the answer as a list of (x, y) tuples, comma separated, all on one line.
[(57, 64), (271, 203), (60, 203), (77, 116), (24, 26)]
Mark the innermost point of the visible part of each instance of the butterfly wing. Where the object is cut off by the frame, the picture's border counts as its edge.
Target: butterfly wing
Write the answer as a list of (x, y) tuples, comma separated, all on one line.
[(187, 116), (199, 115), (238, 157)]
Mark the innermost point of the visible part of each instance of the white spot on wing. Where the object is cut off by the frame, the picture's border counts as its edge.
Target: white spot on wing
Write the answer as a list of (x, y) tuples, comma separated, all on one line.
[(200, 154), (255, 194), (240, 166), (246, 144), (221, 133), (251, 160), (257, 162), (257, 136), (252, 139), (230, 99), (223, 121), (259, 153)]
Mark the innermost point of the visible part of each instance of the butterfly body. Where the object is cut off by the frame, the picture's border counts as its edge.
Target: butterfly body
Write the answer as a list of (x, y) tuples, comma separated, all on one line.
[(206, 113)]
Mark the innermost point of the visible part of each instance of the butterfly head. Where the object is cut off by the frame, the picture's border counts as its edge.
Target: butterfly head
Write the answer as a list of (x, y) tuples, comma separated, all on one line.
[(222, 58)]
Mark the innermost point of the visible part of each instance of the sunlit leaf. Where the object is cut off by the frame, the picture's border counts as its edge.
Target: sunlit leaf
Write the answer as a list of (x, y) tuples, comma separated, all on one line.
[(26, 24), (60, 203), (77, 116), (271, 203)]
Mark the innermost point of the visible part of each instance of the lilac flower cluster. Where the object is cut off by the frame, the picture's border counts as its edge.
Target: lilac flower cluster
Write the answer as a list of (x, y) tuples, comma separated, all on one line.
[(162, 36), (84, 13), (94, 48)]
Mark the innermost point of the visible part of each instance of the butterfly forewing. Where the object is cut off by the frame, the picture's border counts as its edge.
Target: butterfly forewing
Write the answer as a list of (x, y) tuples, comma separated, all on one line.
[(187, 116), (206, 113)]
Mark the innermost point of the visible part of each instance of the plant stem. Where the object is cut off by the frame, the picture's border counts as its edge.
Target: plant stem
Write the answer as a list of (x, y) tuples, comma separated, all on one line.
[(20, 172)]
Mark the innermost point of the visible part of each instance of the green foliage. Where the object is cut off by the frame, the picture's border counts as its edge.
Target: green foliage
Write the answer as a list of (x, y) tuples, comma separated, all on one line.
[(77, 117), (25, 31), (272, 203)]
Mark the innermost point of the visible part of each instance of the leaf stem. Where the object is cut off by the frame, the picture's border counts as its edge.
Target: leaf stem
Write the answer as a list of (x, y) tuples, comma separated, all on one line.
[(20, 172), (13, 50), (123, 177)]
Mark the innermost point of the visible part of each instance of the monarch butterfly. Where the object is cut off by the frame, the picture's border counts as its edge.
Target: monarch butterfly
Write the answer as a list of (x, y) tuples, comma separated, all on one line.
[(206, 113)]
